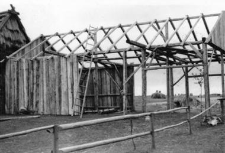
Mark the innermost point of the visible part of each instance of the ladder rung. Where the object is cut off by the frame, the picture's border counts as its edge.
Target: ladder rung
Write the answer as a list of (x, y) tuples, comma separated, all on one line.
[(80, 98), (80, 91), (82, 86), (77, 105)]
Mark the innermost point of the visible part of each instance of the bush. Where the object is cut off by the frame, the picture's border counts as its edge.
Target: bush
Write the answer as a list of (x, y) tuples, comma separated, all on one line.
[(158, 95)]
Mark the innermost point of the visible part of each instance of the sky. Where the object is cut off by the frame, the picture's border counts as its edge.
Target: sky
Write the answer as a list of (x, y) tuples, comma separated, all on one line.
[(51, 16)]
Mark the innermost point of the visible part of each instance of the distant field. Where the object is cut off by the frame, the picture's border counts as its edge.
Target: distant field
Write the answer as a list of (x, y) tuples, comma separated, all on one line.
[(152, 104), (149, 99), (160, 104)]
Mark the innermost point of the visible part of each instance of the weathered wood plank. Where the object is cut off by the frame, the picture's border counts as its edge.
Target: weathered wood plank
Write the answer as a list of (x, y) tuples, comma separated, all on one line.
[(44, 86), (34, 82), (69, 84), (37, 102), (22, 83), (11, 88), (41, 103), (56, 67), (64, 97), (60, 85), (75, 85), (52, 86), (48, 91), (7, 86), (25, 83), (15, 89)]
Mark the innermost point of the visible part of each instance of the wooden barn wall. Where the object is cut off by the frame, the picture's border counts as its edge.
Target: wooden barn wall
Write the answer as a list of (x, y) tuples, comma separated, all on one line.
[(45, 85), (218, 33), (2, 88), (109, 93)]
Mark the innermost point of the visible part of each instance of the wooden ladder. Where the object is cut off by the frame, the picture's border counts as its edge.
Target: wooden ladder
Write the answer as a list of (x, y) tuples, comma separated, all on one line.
[(84, 73)]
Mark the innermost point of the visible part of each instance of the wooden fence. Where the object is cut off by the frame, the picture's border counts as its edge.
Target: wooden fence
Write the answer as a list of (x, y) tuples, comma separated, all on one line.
[(47, 85), (58, 128)]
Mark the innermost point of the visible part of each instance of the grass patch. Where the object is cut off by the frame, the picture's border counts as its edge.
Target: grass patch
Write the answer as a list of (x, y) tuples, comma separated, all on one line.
[(204, 138)]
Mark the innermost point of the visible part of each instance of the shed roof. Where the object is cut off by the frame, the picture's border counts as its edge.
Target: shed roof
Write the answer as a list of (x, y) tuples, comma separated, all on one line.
[(12, 31)]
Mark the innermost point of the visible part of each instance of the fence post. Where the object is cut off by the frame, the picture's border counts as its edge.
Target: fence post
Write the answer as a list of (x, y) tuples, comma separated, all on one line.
[(55, 139), (188, 110), (222, 108), (131, 132), (152, 131)]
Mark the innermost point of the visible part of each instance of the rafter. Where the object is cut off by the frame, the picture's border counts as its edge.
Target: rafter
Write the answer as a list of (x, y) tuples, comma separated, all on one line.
[(154, 38), (191, 30), (124, 34), (175, 31)]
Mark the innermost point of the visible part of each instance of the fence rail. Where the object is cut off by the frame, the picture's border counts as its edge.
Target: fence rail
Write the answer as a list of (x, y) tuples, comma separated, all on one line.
[(58, 128), (4, 136)]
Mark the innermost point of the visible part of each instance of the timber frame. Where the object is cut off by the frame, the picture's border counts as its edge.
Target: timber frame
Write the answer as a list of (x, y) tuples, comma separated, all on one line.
[(186, 42)]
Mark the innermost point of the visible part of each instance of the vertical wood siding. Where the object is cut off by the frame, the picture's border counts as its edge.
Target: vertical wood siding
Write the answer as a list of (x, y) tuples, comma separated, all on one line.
[(109, 94), (47, 85), (218, 33)]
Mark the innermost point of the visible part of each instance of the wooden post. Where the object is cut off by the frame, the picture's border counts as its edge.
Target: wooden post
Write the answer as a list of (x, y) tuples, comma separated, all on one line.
[(168, 71), (96, 76), (187, 87), (222, 110), (96, 85), (171, 89), (168, 85), (187, 99), (124, 84), (223, 89), (144, 81), (206, 76), (152, 130), (56, 139), (131, 132)]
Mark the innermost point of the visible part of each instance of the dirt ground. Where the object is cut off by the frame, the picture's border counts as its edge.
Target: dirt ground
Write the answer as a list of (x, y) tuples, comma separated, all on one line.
[(205, 139)]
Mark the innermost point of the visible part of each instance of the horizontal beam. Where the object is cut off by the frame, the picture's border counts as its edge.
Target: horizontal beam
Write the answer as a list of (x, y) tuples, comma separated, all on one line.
[(157, 49), (177, 66), (114, 140), (102, 142), (55, 53), (112, 51), (110, 119), (149, 22), (152, 64), (195, 76), (17, 118), (216, 47), (115, 58), (26, 132)]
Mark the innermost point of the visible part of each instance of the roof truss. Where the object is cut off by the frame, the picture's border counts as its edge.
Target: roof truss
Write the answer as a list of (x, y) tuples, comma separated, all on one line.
[(177, 40)]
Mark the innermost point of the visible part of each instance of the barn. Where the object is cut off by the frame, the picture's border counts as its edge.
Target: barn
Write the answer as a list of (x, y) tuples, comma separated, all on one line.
[(92, 69), (12, 37)]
